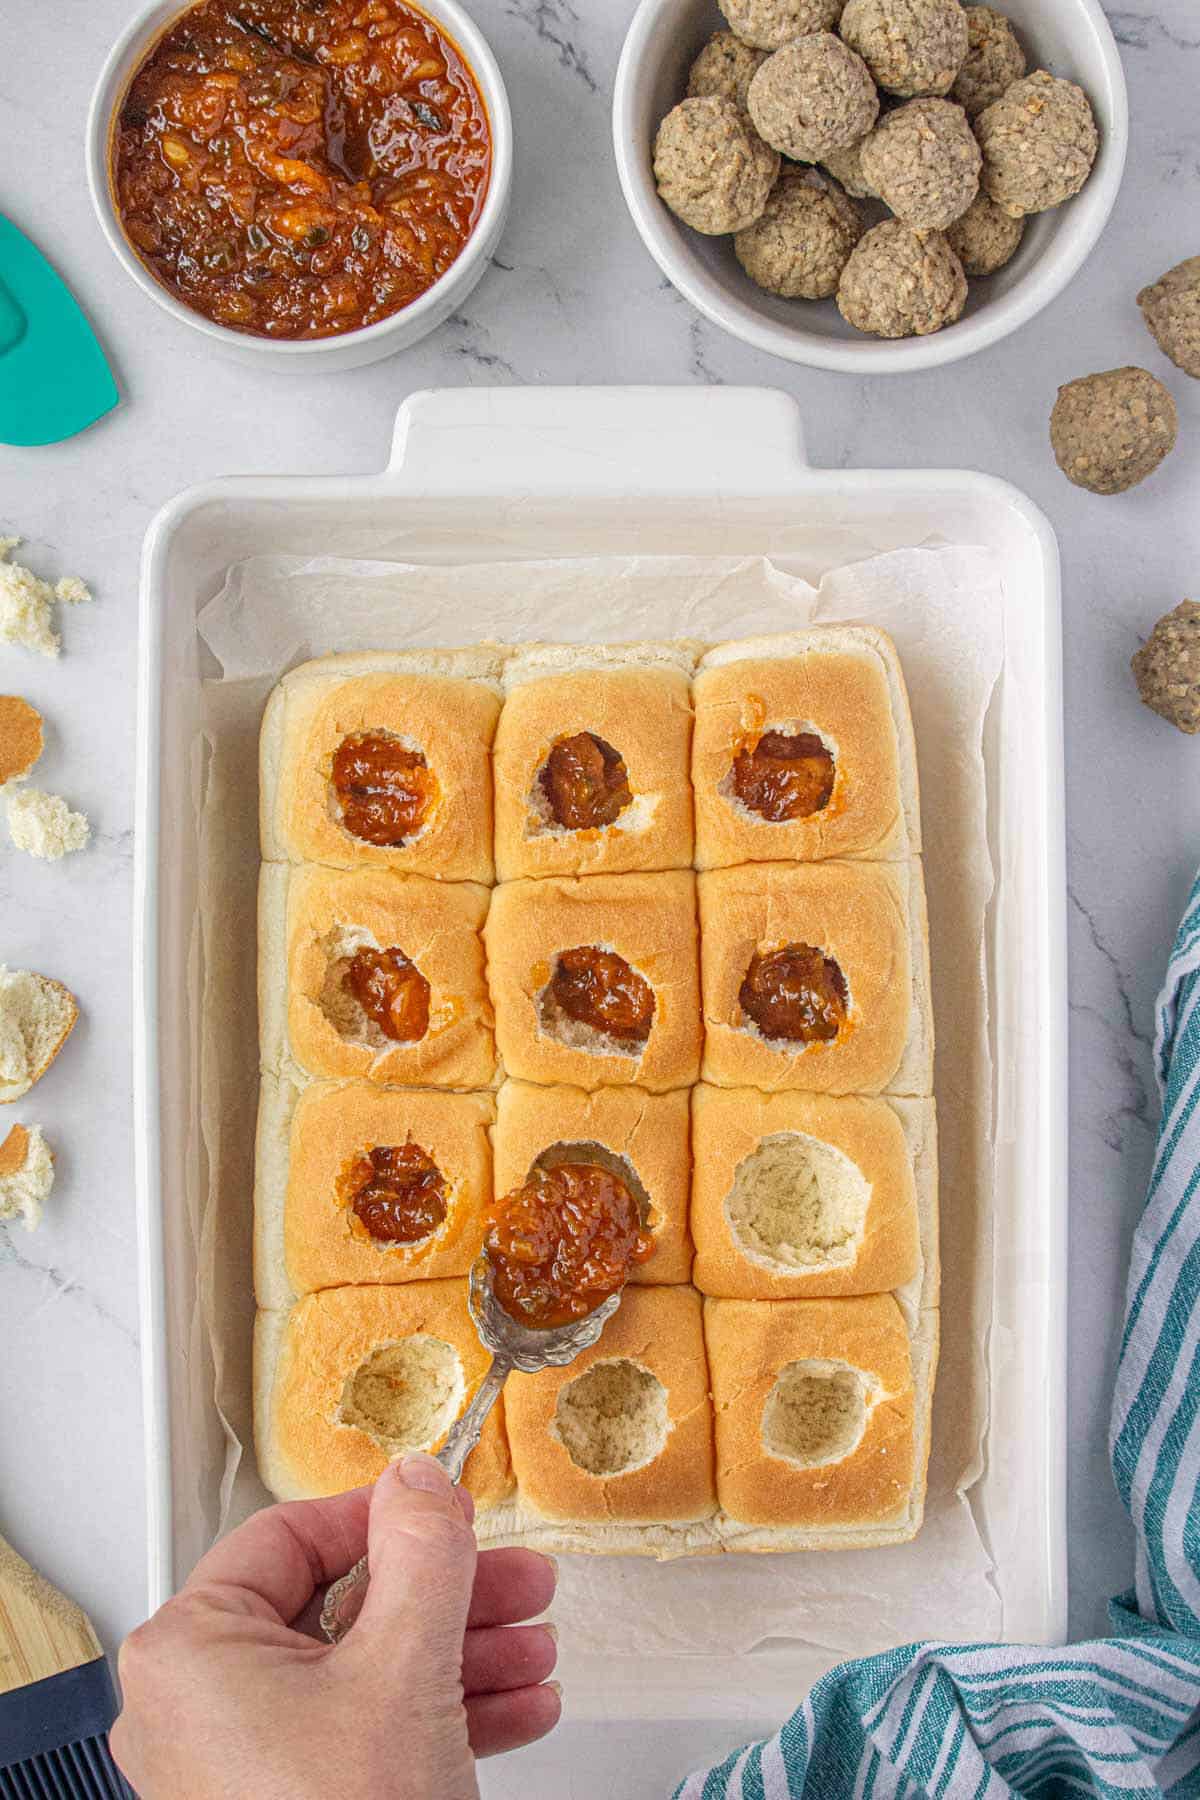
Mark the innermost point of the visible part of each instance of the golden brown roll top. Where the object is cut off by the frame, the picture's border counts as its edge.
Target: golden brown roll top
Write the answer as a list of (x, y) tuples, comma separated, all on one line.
[(815, 1411), (370, 974), (353, 1377), (386, 769), (625, 1431), (802, 750), (815, 976), (595, 981), (798, 1195), (358, 1184), (591, 770)]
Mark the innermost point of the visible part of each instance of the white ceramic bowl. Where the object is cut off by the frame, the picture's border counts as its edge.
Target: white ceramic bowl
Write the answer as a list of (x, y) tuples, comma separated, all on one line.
[(1069, 37), (351, 349)]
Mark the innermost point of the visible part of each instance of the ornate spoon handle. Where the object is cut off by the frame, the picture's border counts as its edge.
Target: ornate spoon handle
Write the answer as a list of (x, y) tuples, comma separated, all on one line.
[(344, 1600)]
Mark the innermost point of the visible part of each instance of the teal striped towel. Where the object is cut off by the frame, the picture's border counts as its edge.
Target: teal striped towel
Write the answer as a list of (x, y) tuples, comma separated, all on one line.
[(1119, 1716)]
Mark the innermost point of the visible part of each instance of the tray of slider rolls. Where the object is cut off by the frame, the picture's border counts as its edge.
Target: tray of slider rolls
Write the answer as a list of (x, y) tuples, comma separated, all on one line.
[(649, 915)]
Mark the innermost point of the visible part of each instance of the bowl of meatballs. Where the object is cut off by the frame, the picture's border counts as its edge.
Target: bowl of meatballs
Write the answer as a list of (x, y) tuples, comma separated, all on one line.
[(870, 185)]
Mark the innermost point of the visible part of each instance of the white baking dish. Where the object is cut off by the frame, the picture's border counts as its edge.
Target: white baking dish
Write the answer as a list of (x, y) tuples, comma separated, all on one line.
[(585, 472)]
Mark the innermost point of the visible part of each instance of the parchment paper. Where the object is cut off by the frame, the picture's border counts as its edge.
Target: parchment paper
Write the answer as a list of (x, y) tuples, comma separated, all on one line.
[(676, 1626)]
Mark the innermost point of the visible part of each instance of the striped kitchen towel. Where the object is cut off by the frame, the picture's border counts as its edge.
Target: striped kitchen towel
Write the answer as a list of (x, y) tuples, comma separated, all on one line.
[(1118, 1716)]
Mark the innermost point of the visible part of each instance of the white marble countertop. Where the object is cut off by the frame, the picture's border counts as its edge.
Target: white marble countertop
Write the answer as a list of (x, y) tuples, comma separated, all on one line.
[(573, 299)]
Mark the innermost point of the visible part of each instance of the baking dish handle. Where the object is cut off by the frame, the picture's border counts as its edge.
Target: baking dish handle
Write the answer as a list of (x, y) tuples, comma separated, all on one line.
[(601, 441)]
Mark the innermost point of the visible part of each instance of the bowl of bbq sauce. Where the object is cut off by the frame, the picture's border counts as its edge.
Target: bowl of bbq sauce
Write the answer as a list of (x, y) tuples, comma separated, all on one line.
[(314, 183)]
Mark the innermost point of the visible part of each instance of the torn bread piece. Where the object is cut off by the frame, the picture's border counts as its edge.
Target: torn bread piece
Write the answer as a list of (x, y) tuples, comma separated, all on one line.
[(37, 1015), (26, 1175), (803, 749), (21, 737), (43, 825)]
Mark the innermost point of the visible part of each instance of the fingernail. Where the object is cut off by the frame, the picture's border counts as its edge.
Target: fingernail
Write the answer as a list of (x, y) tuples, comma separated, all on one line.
[(553, 1562), (425, 1474), (555, 1686), (550, 1630)]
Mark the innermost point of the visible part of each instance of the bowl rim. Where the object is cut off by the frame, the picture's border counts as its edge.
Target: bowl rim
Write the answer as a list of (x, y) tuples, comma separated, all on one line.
[(1047, 278), (413, 321)]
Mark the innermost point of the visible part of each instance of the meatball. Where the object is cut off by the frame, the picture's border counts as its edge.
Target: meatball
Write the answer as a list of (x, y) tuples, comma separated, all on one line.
[(910, 46), (1039, 142), (799, 247), (813, 96), (1110, 431), (1167, 667), (901, 283), (923, 161), (770, 24), (846, 166), (1171, 309), (711, 168), (726, 67), (985, 238), (995, 60)]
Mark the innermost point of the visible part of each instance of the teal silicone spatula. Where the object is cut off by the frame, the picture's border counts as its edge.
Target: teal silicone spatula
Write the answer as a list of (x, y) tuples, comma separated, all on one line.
[(54, 380)]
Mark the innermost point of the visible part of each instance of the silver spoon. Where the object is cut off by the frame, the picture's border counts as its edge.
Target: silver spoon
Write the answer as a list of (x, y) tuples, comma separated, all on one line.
[(513, 1346)]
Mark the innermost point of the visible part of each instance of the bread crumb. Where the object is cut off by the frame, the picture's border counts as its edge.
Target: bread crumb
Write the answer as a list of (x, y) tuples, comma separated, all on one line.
[(26, 1175), (43, 824), (26, 602)]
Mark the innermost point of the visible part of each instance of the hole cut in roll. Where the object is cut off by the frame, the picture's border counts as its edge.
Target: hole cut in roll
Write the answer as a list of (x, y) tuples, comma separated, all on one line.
[(782, 773), (795, 994), (405, 1395), (798, 1204), (815, 1414), (613, 1418)]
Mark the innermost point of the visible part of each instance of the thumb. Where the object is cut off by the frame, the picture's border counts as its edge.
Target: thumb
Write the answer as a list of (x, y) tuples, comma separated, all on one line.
[(422, 1555)]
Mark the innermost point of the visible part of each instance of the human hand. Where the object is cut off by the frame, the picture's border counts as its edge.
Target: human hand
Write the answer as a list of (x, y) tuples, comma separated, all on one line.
[(230, 1693)]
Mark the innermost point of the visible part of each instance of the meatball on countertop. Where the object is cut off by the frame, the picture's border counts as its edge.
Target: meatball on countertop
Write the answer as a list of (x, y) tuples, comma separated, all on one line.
[(1110, 431)]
